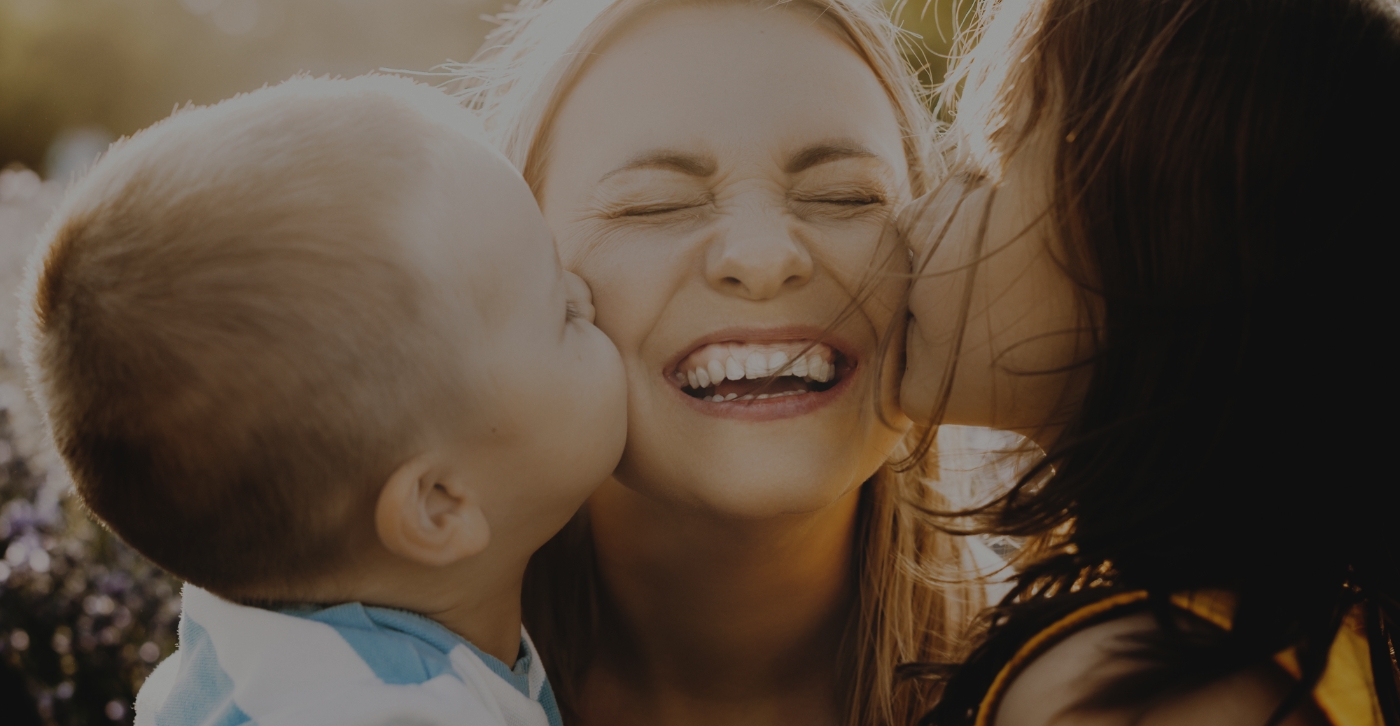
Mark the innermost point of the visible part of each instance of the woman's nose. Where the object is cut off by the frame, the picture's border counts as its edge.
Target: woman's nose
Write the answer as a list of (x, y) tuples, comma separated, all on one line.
[(756, 258)]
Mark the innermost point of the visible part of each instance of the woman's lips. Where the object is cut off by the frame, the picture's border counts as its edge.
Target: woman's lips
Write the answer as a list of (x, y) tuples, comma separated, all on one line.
[(762, 378)]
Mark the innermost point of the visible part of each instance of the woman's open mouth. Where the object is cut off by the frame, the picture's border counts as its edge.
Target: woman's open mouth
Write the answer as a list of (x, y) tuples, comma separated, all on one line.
[(761, 373)]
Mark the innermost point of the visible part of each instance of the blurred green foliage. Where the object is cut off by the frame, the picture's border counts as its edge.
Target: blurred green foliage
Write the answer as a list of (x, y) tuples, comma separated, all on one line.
[(121, 65), (930, 26)]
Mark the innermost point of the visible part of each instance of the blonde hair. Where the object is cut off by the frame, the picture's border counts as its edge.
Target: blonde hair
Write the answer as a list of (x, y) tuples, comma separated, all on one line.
[(218, 327), (907, 611), (518, 78), (987, 63)]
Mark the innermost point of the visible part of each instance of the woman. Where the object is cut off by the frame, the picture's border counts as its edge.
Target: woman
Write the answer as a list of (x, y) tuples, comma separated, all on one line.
[(1156, 263), (720, 174)]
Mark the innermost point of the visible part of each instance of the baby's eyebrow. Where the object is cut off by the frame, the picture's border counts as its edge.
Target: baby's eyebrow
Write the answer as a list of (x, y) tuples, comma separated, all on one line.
[(697, 165), (826, 152)]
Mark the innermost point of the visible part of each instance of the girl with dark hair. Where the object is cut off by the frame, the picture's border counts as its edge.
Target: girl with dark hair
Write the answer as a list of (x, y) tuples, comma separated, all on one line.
[(1160, 263)]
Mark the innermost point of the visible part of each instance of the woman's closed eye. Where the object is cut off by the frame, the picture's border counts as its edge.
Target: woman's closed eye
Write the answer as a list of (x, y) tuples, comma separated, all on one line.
[(840, 203), (859, 200), (650, 200), (656, 209)]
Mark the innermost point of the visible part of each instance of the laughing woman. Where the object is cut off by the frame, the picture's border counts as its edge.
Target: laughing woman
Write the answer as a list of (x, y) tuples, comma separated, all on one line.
[(1160, 263), (721, 173)]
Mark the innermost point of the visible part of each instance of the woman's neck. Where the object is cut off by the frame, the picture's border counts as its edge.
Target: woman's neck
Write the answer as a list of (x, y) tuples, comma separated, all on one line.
[(725, 619)]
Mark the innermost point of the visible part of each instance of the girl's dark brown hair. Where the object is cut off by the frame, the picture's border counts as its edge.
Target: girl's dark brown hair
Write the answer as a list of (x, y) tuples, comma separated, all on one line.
[(1225, 185)]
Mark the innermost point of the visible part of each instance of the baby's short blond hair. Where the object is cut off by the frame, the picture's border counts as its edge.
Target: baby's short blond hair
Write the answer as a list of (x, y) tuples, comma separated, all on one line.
[(231, 352)]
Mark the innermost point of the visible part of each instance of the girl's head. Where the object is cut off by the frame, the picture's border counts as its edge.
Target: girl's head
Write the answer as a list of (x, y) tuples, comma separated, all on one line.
[(1160, 262), (721, 173)]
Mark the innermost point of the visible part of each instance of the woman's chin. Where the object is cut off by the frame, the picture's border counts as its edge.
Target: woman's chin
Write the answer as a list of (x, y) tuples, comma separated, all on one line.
[(759, 497), (746, 467)]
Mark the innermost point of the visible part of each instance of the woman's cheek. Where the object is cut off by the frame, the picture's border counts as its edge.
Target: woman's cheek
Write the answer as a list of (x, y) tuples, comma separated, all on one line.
[(632, 274), (864, 257), (867, 258)]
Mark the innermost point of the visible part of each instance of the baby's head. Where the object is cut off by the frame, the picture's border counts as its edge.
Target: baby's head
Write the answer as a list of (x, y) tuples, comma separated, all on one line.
[(314, 321)]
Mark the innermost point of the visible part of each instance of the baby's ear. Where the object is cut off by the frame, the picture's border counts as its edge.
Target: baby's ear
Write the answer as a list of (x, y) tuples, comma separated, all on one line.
[(429, 512)]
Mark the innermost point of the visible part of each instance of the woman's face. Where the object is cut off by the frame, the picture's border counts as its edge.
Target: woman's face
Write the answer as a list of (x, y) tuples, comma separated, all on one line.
[(995, 271), (721, 175)]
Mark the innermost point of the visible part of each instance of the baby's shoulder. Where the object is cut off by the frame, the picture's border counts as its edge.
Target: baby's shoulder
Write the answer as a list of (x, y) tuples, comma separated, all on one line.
[(239, 664)]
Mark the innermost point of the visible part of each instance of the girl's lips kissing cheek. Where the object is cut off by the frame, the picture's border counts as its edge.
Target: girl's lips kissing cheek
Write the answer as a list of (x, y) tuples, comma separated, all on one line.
[(762, 379)]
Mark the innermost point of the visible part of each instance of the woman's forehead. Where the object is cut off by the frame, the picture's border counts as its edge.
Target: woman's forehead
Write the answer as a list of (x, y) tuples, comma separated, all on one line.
[(713, 78)]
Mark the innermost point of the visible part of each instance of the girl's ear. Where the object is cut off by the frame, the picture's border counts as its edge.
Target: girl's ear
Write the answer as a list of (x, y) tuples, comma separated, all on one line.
[(429, 512)]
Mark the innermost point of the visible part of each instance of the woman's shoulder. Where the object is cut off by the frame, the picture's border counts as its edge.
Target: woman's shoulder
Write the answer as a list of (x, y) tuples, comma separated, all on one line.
[(1050, 686)]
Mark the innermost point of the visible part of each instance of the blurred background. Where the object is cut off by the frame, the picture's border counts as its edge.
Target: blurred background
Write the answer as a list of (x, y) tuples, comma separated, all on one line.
[(83, 619), (76, 73)]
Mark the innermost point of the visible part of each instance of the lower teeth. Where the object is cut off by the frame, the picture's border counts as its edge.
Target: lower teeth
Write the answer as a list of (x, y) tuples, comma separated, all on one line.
[(751, 397)]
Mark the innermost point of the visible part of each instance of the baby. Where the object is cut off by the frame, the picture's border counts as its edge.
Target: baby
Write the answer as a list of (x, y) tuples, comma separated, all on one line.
[(311, 350)]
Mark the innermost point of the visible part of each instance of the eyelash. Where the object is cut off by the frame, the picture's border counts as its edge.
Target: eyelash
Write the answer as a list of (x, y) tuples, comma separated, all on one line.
[(570, 312), (838, 208), (862, 201), (645, 212), (653, 210)]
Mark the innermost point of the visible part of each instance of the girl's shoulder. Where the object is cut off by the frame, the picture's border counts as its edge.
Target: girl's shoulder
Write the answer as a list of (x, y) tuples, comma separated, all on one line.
[(1076, 659), (1065, 665)]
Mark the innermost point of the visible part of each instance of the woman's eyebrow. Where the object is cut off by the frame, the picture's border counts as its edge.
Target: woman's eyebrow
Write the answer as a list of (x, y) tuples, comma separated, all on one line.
[(825, 152), (684, 162)]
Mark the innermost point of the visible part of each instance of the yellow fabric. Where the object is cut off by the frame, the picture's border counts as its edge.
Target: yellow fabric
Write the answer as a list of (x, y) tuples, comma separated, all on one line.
[(1346, 693), (1216, 607)]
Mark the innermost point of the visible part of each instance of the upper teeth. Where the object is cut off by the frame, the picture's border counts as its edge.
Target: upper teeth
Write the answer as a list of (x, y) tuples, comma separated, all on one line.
[(736, 362)]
